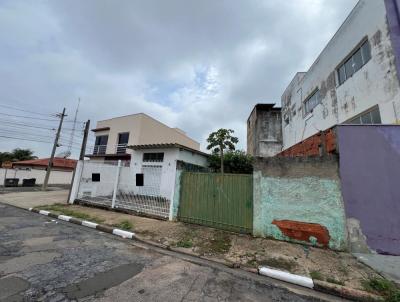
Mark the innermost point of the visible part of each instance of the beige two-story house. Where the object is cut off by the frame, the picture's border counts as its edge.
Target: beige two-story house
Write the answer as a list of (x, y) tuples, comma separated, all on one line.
[(115, 134)]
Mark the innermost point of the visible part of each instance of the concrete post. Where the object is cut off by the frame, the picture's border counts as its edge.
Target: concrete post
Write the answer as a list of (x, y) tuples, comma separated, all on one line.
[(77, 180), (116, 184)]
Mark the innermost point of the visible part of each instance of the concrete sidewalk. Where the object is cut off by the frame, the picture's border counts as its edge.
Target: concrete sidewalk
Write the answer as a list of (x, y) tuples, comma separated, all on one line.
[(32, 197), (388, 266)]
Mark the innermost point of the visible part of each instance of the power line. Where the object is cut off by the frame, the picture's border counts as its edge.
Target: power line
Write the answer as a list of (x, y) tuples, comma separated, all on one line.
[(38, 126), (23, 133), (25, 139), (23, 110), (30, 117)]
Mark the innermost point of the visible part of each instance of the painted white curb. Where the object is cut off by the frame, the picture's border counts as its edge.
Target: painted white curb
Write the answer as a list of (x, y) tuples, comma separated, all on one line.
[(64, 217), (89, 224), (44, 212), (287, 277), (123, 234)]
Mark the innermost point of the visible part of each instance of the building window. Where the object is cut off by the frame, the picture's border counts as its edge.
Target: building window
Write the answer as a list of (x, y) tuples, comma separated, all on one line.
[(153, 157), (371, 116), (358, 59), (95, 177), (311, 102), (100, 144), (122, 142)]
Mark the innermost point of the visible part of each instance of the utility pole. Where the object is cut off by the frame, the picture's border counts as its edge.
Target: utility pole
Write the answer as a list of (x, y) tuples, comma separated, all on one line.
[(84, 140), (49, 166), (81, 155)]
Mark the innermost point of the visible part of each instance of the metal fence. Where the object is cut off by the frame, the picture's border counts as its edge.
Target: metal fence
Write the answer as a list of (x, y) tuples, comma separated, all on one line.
[(113, 185), (216, 200)]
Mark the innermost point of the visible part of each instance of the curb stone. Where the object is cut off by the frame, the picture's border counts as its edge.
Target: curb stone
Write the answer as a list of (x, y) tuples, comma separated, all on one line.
[(321, 286), (89, 224)]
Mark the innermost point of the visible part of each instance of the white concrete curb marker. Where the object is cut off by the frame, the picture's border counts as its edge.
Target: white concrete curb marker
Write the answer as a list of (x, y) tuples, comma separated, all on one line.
[(65, 218), (89, 224), (287, 277), (123, 234)]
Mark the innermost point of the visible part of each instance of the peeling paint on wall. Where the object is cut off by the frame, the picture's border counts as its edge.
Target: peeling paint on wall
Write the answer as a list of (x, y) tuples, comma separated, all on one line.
[(299, 200)]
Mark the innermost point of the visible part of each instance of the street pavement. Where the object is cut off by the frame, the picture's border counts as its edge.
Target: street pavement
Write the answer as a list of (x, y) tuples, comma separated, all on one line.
[(42, 259)]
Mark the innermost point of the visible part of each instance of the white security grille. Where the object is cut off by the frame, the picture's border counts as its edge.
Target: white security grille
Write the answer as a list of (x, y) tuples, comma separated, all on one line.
[(109, 185)]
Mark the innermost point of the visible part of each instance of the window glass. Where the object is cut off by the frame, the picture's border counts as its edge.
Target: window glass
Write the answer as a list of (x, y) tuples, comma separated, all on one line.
[(366, 52), (95, 177), (355, 121), (357, 60), (123, 138), (101, 140), (311, 102), (375, 116), (342, 74), (153, 157), (349, 68), (366, 118)]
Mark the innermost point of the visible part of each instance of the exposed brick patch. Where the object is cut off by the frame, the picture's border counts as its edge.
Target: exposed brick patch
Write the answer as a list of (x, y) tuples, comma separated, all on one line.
[(319, 144), (303, 231)]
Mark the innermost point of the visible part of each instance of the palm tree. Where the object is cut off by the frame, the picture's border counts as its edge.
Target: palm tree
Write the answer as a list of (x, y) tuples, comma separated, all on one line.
[(221, 140)]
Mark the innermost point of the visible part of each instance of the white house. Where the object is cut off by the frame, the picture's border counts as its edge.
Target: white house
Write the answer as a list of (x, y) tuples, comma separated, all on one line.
[(353, 80), (145, 184)]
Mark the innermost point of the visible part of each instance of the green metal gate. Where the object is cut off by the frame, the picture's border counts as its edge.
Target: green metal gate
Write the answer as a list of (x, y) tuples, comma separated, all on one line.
[(215, 200)]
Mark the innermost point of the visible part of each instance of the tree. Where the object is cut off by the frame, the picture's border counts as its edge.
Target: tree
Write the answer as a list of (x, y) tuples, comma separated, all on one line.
[(221, 140), (16, 155), (234, 162)]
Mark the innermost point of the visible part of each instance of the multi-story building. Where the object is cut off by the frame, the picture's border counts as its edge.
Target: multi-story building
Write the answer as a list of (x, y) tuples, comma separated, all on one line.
[(355, 79), (115, 134)]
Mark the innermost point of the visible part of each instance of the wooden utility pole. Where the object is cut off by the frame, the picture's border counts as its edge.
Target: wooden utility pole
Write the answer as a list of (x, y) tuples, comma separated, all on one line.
[(84, 140), (53, 152), (81, 155)]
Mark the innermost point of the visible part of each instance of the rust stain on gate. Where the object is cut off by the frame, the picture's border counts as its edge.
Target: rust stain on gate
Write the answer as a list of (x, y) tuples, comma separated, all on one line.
[(215, 200)]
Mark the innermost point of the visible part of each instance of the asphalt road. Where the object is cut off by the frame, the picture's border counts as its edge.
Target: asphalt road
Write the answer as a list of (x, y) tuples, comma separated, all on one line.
[(43, 259)]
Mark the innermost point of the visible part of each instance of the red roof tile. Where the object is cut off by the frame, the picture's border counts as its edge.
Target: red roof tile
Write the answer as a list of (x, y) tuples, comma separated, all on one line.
[(58, 162)]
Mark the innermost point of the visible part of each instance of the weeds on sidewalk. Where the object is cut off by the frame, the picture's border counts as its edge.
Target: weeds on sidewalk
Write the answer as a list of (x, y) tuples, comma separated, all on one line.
[(124, 225), (316, 275), (63, 209), (383, 287), (219, 243)]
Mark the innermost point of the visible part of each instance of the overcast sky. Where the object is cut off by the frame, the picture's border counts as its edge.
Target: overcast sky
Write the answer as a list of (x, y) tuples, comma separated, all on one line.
[(197, 65)]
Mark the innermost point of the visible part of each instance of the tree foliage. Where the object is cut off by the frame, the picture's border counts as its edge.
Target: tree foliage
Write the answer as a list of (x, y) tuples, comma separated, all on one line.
[(234, 162), (221, 140), (16, 155)]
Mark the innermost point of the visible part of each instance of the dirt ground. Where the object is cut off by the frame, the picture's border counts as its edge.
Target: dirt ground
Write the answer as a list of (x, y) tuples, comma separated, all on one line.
[(244, 250)]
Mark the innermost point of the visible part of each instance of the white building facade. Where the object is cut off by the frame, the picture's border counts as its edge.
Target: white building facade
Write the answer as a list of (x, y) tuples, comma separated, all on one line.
[(354, 79)]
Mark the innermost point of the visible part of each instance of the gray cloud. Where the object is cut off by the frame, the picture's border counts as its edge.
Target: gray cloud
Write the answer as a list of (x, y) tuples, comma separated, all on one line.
[(198, 65)]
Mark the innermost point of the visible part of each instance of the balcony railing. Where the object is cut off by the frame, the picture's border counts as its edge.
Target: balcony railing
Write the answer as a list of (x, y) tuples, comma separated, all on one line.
[(99, 149), (116, 149), (120, 148)]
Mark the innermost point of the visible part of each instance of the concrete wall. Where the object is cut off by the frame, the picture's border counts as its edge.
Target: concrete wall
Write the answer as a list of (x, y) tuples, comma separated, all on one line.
[(376, 83), (56, 177), (264, 131), (370, 173), (299, 199)]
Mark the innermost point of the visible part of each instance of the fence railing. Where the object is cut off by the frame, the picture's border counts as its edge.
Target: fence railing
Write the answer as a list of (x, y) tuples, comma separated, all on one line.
[(116, 149)]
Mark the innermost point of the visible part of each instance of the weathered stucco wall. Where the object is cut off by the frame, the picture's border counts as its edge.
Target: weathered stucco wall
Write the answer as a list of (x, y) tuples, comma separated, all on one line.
[(299, 199), (376, 83), (264, 131), (393, 17), (370, 174)]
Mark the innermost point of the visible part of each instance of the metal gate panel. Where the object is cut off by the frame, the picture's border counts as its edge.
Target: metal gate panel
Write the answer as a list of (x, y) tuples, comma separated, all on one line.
[(216, 200)]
